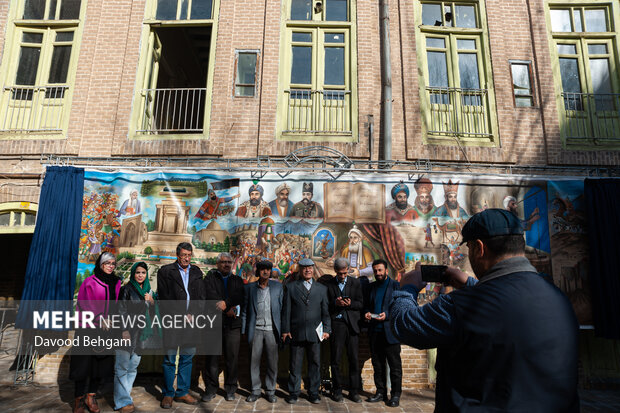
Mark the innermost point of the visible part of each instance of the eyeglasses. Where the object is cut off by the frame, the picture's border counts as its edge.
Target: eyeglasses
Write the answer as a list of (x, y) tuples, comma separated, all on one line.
[(110, 264)]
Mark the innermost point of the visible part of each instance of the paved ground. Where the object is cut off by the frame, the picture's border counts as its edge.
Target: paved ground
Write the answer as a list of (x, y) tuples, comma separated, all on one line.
[(146, 394)]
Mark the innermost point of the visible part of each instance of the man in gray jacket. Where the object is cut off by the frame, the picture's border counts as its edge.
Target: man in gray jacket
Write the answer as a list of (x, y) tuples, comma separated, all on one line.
[(260, 320)]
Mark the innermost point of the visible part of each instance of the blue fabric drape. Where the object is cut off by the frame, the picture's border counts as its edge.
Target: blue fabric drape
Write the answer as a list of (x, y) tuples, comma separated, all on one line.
[(53, 257), (602, 198)]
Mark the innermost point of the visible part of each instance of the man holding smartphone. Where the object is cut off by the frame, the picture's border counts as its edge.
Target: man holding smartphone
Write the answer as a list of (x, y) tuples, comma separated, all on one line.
[(344, 295), (505, 343)]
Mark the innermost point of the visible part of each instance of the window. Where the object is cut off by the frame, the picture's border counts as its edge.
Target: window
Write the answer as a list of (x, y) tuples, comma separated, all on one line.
[(318, 96), (456, 87), (584, 47), (521, 73), (39, 73), (17, 217), (176, 69), (245, 73)]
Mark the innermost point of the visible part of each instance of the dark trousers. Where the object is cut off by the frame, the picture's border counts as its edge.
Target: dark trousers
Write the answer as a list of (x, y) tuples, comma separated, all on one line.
[(343, 337), (380, 351), (313, 354), (231, 338)]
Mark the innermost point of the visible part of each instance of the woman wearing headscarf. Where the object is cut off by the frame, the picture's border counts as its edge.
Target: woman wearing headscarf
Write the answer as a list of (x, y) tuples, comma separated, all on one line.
[(136, 299), (97, 294)]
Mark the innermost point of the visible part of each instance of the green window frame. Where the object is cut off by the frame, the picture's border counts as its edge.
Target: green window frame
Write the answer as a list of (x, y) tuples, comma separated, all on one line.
[(173, 95), (41, 47), (317, 97), (457, 98), (583, 40)]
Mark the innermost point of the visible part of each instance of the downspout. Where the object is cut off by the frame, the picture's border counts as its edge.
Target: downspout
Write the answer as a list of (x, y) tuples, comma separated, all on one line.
[(386, 79)]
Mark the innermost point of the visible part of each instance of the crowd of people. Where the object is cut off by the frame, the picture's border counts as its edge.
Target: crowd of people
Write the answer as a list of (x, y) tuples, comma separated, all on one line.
[(500, 348)]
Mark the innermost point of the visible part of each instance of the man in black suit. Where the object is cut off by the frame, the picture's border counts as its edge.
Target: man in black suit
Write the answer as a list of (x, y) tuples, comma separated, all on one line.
[(260, 320), (344, 295), (305, 309), (383, 343), (177, 283), (227, 289)]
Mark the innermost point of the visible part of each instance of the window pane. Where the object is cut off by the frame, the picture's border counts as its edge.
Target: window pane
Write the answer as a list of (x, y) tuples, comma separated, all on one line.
[(51, 14), (437, 69), (34, 9), (334, 38), (244, 90), (577, 20), (31, 219), (595, 20), (201, 9), (468, 71), (70, 9), (465, 16), (246, 68), (302, 37), (463, 44), (28, 65), (597, 49), (60, 64), (301, 70), (567, 49), (64, 36), (32, 37), (183, 15), (601, 84), (5, 219), (523, 102), (435, 42), (560, 20), (301, 10), (334, 65), (521, 79), (569, 72), (336, 10), (166, 10), (431, 14)]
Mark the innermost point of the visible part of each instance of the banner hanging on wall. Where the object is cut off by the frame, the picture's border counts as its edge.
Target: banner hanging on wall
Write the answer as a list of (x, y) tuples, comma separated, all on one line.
[(144, 216)]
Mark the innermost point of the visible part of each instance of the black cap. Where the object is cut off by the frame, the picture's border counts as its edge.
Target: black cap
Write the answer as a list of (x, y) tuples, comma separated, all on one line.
[(491, 223)]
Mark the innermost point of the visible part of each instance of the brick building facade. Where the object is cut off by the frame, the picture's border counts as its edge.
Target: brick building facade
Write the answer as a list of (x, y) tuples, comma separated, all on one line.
[(107, 86)]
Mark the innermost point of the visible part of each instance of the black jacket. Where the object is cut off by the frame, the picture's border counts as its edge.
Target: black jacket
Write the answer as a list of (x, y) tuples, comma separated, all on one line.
[(170, 287), (214, 285), (131, 303), (353, 290), (385, 307), (301, 318)]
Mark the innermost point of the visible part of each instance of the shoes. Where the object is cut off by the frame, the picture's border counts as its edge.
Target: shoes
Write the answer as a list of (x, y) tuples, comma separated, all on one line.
[(394, 401), (130, 408), (251, 398), (314, 398), (337, 397), (271, 398), (187, 399), (79, 405), (291, 399), (378, 397), (91, 403), (356, 398), (207, 397), (166, 403), (230, 397)]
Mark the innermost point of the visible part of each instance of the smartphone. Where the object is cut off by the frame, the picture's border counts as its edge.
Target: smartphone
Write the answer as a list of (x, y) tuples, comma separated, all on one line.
[(345, 297), (435, 274), (373, 315)]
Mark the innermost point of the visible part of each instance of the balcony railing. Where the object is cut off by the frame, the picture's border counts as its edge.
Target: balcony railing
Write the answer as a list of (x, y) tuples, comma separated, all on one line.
[(33, 108), (179, 110), (590, 116), (458, 112), (318, 111)]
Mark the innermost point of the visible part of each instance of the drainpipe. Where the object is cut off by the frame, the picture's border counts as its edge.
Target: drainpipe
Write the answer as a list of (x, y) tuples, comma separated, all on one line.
[(386, 79)]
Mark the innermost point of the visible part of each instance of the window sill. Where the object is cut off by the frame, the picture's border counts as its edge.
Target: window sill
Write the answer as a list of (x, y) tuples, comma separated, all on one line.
[(23, 135), (317, 137)]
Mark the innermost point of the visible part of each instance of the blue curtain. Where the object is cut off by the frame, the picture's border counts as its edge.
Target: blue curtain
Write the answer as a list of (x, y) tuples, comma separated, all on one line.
[(602, 200), (53, 257)]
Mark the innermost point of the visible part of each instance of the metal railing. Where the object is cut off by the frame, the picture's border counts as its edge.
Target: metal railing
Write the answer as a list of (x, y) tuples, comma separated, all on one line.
[(458, 112), (178, 110), (318, 111), (33, 108), (591, 116)]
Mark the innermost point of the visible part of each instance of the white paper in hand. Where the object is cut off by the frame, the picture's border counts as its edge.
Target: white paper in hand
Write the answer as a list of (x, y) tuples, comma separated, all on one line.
[(319, 331)]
